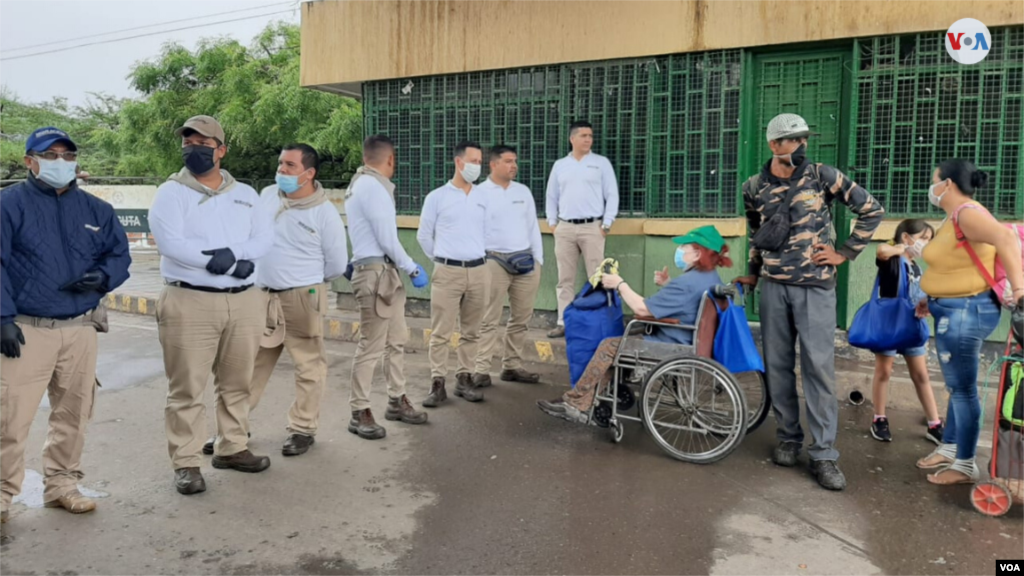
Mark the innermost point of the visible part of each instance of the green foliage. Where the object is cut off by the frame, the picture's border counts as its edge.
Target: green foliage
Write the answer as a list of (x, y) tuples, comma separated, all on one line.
[(254, 92)]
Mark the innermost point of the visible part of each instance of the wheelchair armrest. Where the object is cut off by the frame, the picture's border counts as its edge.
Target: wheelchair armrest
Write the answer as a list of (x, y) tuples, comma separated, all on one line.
[(653, 320)]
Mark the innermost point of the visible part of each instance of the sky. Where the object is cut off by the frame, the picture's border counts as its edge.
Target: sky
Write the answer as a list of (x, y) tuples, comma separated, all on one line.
[(104, 67)]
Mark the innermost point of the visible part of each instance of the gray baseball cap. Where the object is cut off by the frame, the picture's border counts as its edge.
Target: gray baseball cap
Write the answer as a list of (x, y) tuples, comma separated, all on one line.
[(787, 126)]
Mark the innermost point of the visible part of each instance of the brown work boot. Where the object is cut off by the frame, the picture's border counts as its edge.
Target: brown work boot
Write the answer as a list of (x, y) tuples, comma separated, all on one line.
[(243, 461), (520, 375), (481, 380), (401, 409), (73, 502), (437, 393), (557, 332), (363, 425), (189, 481), (466, 390), (297, 444)]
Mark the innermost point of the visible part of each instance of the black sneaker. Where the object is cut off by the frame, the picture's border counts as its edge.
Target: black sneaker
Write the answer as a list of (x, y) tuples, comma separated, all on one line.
[(934, 434), (785, 454), (828, 474), (880, 430)]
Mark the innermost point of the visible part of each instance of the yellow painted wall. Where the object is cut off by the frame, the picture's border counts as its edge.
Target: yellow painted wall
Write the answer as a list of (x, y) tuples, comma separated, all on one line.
[(352, 41)]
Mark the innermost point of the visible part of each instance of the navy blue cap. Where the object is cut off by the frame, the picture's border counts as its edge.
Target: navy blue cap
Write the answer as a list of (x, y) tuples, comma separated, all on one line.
[(43, 138)]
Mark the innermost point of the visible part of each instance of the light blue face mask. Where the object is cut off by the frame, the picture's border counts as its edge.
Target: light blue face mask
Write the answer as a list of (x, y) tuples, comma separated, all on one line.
[(680, 259), (57, 173), (287, 184)]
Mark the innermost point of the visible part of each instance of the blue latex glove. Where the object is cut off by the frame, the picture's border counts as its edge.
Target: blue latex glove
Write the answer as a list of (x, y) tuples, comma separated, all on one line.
[(419, 277)]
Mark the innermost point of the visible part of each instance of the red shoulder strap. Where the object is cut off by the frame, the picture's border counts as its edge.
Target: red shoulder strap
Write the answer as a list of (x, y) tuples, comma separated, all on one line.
[(962, 242)]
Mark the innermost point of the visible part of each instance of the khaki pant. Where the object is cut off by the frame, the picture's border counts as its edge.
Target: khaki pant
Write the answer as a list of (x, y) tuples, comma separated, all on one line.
[(461, 293), (61, 362), (304, 339), (521, 290), (382, 332), (571, 240), (200, 333)]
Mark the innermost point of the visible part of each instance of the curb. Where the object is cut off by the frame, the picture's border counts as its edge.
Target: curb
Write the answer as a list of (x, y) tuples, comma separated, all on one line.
[(337, 327)]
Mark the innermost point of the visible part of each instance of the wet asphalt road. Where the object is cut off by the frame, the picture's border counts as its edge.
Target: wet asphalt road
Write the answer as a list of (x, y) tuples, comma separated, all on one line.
[(496, 487)]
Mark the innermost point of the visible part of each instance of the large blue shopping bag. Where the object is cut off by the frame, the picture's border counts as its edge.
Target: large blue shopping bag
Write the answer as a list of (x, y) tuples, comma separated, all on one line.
[(595, 314), (888, 323), (734, 344)]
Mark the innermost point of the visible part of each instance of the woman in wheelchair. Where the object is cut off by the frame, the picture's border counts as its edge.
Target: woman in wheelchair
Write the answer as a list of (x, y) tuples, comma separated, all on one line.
[(699, 255)]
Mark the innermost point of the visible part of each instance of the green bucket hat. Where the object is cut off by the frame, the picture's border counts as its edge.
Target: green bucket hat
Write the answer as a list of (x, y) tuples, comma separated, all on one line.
[(706, 236)]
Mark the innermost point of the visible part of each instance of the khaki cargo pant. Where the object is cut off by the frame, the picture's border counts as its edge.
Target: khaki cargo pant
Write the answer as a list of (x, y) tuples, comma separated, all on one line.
[(571, 240), (303, 313), (521, 290), (456, 293), (62, 363), (382, 332), (200, 333)]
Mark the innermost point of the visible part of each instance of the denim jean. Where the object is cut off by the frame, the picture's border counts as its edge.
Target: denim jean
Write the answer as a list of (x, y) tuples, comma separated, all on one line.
[(961, 325)]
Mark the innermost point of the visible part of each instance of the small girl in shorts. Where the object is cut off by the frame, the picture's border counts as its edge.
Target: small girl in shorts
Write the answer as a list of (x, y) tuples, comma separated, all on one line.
[(910, 239)]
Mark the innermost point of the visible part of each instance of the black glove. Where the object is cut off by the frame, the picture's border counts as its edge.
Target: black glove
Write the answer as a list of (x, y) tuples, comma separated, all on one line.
[(243, 269), (11, 340), (1017, 321), (94, 281), (348, 271), (222, 261), (724, 291)]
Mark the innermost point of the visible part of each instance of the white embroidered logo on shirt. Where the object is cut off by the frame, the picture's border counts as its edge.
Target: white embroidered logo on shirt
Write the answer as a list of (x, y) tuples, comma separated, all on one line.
[(243, 203), (93, 228)]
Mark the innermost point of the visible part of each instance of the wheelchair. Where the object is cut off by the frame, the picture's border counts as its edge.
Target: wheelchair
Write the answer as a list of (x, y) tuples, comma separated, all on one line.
[(693, 408)]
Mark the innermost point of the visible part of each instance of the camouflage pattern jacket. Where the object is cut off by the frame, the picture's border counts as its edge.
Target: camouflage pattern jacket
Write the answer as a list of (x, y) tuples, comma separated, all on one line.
[(811, 217)]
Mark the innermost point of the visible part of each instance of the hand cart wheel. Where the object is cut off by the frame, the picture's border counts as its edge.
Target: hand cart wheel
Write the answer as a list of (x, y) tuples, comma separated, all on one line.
[(990, 498)]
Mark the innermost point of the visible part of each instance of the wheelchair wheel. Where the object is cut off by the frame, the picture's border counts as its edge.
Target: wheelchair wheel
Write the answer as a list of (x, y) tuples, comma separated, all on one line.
[(617, 431), (755, 391), (694, 409)]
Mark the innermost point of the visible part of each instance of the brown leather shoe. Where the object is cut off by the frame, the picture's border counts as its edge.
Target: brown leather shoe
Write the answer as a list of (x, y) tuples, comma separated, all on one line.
[(73, 502), (243, 461), (401, 409), (466, 390), (363, 425), (437, 394), (189, 481), (481, 380), (297, 444), (557, 332), (520, 375)]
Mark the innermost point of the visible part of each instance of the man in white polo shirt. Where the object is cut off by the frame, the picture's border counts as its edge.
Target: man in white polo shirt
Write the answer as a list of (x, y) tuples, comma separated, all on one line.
[(378, 259), (452, 235), (309, 251), (210, 230), (514, 257), (582, 202)]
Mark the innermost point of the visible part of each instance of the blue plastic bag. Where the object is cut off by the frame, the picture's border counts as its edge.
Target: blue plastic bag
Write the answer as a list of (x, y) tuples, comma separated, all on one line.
[(888, 323), (734, 344), (595, 314)]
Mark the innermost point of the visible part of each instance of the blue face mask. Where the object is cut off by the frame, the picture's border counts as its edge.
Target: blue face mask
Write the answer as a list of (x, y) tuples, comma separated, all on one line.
[(680, 259), (57, 173), (287, 184)]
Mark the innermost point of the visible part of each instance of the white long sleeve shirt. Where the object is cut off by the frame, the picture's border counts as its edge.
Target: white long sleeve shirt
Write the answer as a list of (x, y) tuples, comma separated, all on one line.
[(309, 245), (452, 223), (185, 223), (373, 224), (585, 188), (512, 220)]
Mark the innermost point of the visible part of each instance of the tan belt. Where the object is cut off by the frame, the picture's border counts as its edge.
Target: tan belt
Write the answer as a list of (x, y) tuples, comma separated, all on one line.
[(375, 266), (53, 323)]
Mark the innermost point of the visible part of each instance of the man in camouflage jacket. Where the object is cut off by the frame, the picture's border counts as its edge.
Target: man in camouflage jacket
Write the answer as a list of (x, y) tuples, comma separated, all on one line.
[(798, 295)]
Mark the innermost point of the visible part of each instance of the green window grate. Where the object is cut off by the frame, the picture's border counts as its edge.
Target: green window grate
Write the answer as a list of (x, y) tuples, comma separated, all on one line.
[(914, 107), (669, 125)]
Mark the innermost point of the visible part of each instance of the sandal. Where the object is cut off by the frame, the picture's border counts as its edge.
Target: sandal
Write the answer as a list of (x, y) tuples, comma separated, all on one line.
[(934, 461), (949, 477)]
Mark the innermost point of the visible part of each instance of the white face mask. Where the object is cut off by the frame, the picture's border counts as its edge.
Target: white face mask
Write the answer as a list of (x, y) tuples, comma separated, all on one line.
[(470, 172), (57, 173), (916, 249), (933, 198)]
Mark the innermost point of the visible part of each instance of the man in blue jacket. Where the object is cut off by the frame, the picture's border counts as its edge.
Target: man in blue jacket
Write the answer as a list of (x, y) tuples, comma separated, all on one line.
[(62, 250)]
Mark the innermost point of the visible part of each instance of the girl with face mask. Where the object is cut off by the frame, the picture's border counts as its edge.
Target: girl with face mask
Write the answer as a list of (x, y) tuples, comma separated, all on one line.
[(909, 242), (699, 255), (965, 309)]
